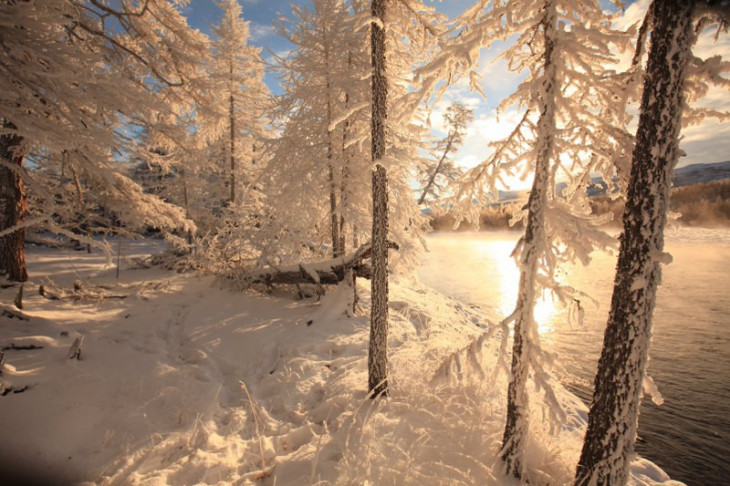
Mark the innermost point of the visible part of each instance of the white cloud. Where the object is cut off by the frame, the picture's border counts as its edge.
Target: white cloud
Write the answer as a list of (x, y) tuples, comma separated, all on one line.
[(709, 142), (486, 128), (260, 31), (634, 14)]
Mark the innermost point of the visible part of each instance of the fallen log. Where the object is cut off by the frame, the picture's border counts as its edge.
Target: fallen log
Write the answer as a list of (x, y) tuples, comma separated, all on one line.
[(329, 272), (21, 347)]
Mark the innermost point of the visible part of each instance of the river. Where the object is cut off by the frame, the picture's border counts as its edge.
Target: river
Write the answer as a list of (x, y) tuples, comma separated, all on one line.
[(689, 435)]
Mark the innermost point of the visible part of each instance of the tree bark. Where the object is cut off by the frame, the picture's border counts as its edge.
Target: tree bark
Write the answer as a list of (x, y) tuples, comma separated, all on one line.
[(613, 418), (516, 426), (12, 209), (232, 132), (334, 224), (345, 175), (377, 349)]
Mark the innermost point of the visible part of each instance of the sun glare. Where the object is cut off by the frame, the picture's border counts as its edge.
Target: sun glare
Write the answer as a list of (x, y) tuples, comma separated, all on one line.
[(546, 307)]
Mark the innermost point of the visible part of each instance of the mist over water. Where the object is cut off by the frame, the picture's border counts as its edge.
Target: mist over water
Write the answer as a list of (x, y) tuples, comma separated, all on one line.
[(689, 435)]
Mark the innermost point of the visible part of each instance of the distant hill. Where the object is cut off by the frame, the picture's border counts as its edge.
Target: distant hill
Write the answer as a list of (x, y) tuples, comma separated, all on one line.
[(696, 173), (684, 176)]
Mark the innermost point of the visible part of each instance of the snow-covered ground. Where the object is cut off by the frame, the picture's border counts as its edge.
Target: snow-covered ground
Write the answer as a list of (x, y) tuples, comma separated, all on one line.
[(185, 382)]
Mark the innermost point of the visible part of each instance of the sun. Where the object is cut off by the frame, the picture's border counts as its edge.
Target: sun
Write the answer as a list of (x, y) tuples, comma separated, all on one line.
[(507, 287)]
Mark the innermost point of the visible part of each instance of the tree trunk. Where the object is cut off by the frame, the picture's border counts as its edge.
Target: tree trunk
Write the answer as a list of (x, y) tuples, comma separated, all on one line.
[(345, 175), (334, 224), (432, 177), (613, 418), (377, 350), (12, 209), (515, 430), (232, 132)]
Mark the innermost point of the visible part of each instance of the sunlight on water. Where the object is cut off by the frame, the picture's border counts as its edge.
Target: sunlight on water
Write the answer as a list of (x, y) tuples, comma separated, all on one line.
[(507, 277), (690, 350)]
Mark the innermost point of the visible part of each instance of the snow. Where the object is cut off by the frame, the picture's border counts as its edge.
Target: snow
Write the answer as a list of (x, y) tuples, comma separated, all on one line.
[(185, 382)]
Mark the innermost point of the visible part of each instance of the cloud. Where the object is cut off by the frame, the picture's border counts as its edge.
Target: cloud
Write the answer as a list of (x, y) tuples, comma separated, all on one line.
[(634, 14), (487, 127), (708, 142), (707, 46), (260, 31), (271, 57)]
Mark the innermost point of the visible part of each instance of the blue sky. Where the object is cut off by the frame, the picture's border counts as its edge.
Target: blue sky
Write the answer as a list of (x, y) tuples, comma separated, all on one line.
[(709, 142), (263, 13)]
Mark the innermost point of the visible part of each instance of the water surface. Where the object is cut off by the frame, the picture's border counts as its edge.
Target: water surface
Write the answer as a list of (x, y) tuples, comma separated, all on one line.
[(689, 435)]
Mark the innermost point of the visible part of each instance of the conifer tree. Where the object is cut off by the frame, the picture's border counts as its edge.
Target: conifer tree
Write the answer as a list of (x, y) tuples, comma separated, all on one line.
[(443, 171), (673, 77), (239, 94), (565, 132), (324, 119), (72, 83), (377, 349)]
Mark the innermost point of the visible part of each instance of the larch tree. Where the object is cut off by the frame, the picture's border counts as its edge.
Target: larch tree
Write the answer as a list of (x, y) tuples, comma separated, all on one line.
[(404, 36), (378, 344), (71, 83), (168, 157), (322, 148), (325, 116), (228, 160), (673, 77), (566, 133), (237, 74), (442, 171)]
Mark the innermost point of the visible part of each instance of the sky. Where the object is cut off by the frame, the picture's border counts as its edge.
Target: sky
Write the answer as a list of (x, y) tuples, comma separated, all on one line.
[(705, 143)]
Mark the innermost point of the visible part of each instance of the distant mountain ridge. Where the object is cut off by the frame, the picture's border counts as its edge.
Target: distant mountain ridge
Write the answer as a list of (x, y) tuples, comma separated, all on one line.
[(698, 173), (684, 176)]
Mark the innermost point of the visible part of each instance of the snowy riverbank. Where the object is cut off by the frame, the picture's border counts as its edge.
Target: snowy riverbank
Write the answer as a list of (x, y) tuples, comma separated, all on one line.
[(183, 382)]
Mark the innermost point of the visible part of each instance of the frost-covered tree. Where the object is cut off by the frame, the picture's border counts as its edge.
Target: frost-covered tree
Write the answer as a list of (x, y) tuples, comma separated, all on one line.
[(378, 344), (442, 171), (77, 77), (671, 70), (168, 163), (322, 148), (327, 77), (13, 203), (240, 96), (403, 36), (566, 132)]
